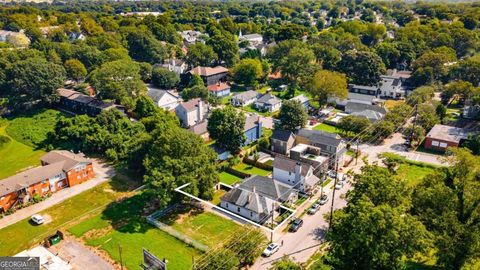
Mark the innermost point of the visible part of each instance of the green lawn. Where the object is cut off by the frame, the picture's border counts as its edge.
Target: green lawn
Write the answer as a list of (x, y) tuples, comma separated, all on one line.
[(217, 195), (15, 156), (246, 168), (413, 174), (178, 255), (228, 178), (22, 235), (26, 135), (204, 227), (326, 127)]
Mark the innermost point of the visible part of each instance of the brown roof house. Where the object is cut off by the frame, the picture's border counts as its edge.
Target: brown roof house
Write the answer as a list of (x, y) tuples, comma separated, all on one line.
[(60, 169), (210, 75), (441, 136)]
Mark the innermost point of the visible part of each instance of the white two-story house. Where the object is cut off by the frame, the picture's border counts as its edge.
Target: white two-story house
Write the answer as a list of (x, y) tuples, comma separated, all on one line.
[(297, 174), (192, 112)]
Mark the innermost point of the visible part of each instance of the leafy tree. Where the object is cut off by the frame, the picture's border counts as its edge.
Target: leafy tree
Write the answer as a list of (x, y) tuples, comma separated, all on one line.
[(292, 115), (248, 72), (290, 31), (441, 111), (398, 114), (145, 107), (427, 116), (225, 47), (164, 78), (35, 78), (145, 48), (285, 264), (196, 91), (468, 70), (226, 126), (353, 124), (75, 69), (328, 84), (200, 54), (435, 60), (421, 95), (145, 71), (362, 67), (220, 259), (459, 90), (473, 143), (389, 53), (119, 80), (383, 129), (327, 57), (448, 206), (414, 133), (248, 244), (178, 157)]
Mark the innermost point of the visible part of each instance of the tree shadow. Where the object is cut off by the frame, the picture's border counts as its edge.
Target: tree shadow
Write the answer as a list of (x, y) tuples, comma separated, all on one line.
[(179, 211)]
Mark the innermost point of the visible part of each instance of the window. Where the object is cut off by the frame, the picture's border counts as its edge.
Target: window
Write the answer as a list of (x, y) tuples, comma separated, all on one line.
[(443, 145), (435, 143), (289, 173), (238, 209), (226, 205), (251, 214)]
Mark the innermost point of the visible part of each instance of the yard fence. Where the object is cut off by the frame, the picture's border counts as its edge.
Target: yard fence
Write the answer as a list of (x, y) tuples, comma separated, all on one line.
[(154, 220), (237, 173), (258, 164)]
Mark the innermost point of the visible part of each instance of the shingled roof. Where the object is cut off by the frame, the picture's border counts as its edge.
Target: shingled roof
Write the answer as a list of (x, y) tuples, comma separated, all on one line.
[(208, 71)]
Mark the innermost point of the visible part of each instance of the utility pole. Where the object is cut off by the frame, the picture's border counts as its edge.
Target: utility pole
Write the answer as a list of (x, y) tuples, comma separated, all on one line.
[(120, 253), (271, 232), (357, 153), (333, 194), (413, 126)]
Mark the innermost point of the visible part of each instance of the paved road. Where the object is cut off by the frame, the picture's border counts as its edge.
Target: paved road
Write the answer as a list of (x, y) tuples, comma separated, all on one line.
[(301, 245), (395, 144), (79, 256), (103, 172)]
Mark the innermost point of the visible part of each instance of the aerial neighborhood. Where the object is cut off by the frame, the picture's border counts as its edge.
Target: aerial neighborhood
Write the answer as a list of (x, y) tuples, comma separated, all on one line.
[(210, 135)]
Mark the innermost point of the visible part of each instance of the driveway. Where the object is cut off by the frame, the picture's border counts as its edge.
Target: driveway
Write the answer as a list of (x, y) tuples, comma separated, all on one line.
[(80, 257), (395, 144), (103, 172), (301, 245)]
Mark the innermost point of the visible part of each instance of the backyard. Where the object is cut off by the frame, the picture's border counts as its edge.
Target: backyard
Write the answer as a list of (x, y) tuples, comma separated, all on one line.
[(326, 127), (249, 169), (228, 178)]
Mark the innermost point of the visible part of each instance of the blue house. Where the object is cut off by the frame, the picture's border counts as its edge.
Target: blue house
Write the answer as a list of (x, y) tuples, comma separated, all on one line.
[(253, 129)]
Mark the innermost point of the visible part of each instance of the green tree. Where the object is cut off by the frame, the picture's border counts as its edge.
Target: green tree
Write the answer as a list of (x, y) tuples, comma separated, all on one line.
[(468, 70), (353, 124), (34, 79), (200, 54), (177, 157), (362, 67), (75, 69), (225, 47), (447, 204), (328, 84), (226, 126), (421, 95), (248, 72), (164, 78), (285, 264), (143, 47), (427, 116), (459, 90), (119, 80), (292, 115), (415, 133), (196, 91), (145, 107)]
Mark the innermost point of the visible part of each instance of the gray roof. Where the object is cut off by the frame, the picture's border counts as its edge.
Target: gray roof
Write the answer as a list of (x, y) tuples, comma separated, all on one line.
[(244, 96), (251, 122), (447, 133), (301, 98), (321, 137), (269, 99), (354, 107), (282, 135), (157, 94), (369, 114), (287, 164), (200, 128), (363, 87)]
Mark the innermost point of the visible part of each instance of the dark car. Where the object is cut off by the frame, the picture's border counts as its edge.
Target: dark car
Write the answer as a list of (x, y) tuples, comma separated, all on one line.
[(296, 224)]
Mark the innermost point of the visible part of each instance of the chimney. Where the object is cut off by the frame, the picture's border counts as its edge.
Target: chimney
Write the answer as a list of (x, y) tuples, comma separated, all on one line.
[(199, 111), (298, 171), (254, 189)]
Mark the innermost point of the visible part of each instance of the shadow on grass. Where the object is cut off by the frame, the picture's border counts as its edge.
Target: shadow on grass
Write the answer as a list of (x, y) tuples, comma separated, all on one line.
[(177, 214)]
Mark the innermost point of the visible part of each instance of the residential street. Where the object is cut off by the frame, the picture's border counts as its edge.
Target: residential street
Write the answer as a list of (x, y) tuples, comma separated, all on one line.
[(103, 172), (301, 245)]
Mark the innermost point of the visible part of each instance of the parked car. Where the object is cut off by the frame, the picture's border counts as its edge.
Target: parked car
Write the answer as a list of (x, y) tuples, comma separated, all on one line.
[(296, 224), (37, 219), (342, 177), (332, 174), (323, 200), (313, 209), (339, 185), (270, 249)]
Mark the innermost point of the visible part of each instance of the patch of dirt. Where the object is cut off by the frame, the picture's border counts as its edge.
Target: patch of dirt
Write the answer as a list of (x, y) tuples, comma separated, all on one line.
[(97, 233), (108, 190)]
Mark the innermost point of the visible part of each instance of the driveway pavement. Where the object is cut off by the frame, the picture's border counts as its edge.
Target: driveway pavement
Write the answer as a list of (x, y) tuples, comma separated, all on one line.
[(395, 144), (103, 172), (301, 245), (79, 256)]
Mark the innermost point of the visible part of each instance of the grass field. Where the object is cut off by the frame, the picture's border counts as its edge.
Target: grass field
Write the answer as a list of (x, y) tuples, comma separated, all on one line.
[(246, 168), (26, 134), (326, 127), (228, 178), (204, 227), (217, 195), (413, 174), (23, 234)]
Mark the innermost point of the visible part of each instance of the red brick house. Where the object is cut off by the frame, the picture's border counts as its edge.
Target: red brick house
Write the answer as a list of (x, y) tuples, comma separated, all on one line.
[(60, 169), (441, 137)]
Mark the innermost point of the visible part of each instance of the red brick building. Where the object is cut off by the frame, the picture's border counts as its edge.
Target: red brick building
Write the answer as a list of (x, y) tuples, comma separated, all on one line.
[(60, 169), (441, 137)]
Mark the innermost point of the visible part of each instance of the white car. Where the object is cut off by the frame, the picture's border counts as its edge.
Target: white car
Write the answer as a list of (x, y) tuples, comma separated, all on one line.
[(271, 249), (332, 174), (342, 177), (323, 200), (37, 219), (339, 185)]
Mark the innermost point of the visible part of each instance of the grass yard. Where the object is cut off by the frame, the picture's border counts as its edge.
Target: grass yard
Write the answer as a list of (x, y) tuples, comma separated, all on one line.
[(204, 227), (392, 103), (23, 234), (413, 174), (326, 127), (246, 168), (15, 156), (228, 178), (217, 195), (178, 255)]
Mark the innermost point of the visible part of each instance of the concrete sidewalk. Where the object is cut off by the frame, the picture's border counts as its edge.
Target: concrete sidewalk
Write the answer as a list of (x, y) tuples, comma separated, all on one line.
[(103, 173)]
